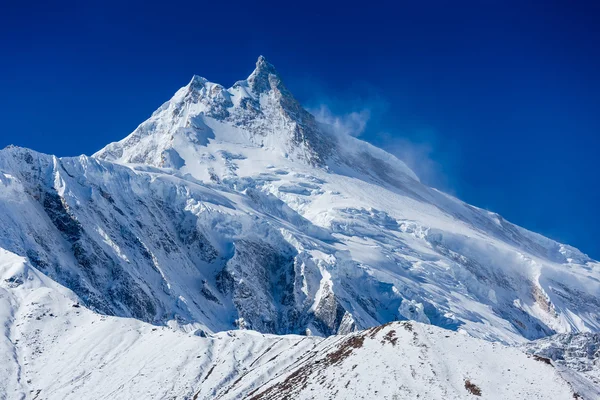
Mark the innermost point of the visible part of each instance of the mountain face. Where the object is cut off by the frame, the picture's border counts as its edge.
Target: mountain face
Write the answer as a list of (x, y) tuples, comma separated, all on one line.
[(259, 111), (236, 209), (57, 349)]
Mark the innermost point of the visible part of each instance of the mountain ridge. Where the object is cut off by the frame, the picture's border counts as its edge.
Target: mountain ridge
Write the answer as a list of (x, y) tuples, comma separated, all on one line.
[(98, 356), (274, 257), (239, 105), (300, 230)]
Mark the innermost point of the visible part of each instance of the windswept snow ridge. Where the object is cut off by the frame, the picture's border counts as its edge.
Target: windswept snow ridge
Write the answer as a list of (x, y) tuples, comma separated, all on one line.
[(235, 209)]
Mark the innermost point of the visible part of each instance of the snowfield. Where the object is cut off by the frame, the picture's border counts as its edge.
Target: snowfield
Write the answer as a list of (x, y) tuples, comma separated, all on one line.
[(234, 247), (56, 349)]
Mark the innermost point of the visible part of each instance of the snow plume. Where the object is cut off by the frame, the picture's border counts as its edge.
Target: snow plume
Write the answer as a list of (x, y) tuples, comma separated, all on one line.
[(426, 154), (422, 149), (350, 112), (353, 123)]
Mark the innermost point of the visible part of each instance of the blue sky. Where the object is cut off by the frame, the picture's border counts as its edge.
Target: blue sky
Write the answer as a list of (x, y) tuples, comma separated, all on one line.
[(497, 102)]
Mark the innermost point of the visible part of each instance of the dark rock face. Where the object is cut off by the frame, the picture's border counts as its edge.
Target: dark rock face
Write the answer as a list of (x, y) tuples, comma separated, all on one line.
[(329, 315), (264, 77), (58, 213), (260, 278), (103, 284)]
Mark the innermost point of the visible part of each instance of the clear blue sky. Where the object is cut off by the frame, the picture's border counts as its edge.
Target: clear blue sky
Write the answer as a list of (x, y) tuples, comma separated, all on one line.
[(498, 101)]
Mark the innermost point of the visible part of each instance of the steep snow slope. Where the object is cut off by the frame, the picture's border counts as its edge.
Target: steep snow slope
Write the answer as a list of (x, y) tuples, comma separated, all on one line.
[(164, 250), (56, 349), (235, 208)]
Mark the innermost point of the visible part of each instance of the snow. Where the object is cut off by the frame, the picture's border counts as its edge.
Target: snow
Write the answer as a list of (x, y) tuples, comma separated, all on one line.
[(414, 361), (56, 349), (96, 356), (233, 208), (576, 357), (394, 248)]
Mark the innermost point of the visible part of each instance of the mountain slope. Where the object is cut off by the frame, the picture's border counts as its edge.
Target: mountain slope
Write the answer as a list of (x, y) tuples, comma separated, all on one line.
[(576, 356), (56, 349), (410, 360), (235, 208), (128, 271)]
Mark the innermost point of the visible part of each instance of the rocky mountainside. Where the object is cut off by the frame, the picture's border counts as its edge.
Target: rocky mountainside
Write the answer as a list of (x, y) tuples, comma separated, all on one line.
[(236, 209)]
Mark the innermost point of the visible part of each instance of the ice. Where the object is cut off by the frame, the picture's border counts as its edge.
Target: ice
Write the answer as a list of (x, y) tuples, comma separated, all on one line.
[(233, 214)]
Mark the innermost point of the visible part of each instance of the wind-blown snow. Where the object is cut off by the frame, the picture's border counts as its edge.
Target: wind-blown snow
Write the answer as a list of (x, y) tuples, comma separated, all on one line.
[(234, 209)]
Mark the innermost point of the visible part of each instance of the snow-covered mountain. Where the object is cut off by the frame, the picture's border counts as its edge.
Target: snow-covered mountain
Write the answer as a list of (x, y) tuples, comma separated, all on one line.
[(236, 209), (57, 349)]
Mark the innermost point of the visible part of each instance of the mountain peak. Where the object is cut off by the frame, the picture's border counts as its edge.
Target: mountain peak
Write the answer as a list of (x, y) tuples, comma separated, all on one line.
[(263, 65), (264, 77), (197, 81)]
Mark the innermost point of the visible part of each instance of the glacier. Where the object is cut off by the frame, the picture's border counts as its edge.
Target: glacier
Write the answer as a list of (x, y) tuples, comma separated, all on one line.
[(58, 349), (232, 211)]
